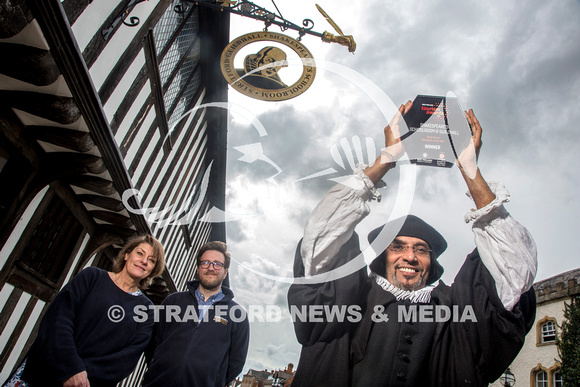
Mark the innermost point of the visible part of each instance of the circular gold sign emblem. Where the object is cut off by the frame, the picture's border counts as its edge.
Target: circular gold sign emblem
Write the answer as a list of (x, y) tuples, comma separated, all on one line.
[(259, 76)]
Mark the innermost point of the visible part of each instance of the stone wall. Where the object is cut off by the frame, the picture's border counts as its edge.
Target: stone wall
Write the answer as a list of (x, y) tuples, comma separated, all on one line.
[(558, 287)]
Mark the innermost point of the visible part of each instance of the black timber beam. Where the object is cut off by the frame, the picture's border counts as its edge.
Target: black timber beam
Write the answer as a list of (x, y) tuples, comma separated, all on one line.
[(214, 34), (67, 55), (156, 88), (57, 32)]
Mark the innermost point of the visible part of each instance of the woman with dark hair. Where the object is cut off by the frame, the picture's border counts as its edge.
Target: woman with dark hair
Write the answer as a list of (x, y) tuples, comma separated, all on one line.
[(97, 327)]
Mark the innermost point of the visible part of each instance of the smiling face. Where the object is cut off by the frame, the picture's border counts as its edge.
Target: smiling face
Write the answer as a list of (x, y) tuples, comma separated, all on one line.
[(140, 261), (211, 278), (408, 270)]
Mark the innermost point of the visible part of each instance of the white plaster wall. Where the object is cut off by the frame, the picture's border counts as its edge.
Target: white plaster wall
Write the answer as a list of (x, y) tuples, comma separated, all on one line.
[(531, 355)]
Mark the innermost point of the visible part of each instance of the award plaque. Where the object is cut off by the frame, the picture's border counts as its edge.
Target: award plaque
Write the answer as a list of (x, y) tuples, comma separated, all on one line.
[(438, 131)]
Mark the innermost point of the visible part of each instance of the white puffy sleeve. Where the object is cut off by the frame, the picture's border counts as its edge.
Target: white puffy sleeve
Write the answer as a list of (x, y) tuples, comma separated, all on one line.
[(334, 219), (506, 248)]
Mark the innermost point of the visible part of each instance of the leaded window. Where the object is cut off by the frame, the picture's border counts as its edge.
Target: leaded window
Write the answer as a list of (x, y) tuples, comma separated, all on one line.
[(541, 379), (548, 332)]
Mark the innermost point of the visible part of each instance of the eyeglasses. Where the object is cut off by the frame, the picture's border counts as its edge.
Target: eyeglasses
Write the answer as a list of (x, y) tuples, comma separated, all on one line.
[(420, 251), (216, 265)]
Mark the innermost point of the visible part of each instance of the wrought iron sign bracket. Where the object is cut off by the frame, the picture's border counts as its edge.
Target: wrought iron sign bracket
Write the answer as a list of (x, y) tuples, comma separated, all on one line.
[(248, 9)]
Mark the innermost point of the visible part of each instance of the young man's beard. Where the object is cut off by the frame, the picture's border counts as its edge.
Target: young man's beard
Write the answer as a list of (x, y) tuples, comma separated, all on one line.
[(210, 284)]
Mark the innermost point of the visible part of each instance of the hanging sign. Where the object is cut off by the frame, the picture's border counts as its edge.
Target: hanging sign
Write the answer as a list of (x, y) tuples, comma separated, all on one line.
[(261, 75)]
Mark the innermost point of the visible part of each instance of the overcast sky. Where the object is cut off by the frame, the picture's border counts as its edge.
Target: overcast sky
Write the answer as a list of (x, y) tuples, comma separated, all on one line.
[(516, 65)]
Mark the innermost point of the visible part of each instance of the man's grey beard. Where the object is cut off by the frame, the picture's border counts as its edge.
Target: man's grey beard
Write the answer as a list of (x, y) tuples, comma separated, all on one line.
[(410, 288)]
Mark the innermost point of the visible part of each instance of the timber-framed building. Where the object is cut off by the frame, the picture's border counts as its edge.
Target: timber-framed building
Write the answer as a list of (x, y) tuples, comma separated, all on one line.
[(100, 99)]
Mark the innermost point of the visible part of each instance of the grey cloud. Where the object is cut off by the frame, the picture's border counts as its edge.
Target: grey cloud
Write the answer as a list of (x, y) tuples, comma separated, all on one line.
[(516, 66)]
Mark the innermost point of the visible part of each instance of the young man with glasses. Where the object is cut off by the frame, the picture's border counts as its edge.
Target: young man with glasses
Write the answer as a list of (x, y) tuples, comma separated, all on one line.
[(201, 336), (409, 332)]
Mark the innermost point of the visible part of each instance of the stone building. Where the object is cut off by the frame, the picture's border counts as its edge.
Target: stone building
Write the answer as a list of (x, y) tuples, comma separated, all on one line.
[(279, 378), (538, 363)]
